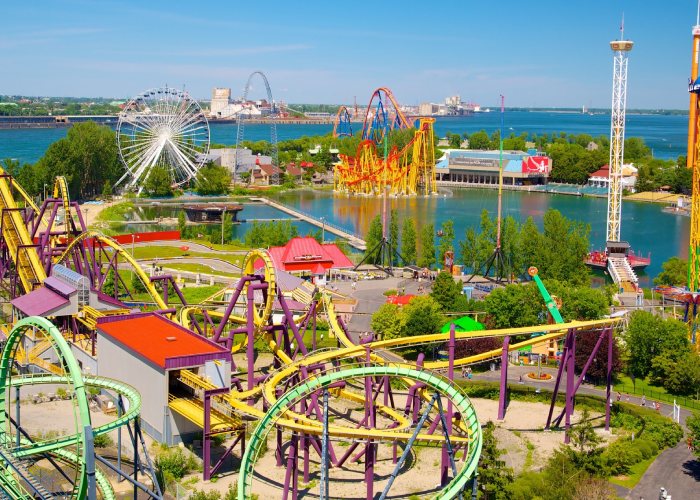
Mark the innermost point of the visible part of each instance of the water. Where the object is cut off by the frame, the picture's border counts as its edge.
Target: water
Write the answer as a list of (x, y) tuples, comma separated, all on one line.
[(665, 134), (644, 225)]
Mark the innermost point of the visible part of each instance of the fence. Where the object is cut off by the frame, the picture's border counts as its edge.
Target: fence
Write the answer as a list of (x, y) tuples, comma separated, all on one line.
[(684, 401)]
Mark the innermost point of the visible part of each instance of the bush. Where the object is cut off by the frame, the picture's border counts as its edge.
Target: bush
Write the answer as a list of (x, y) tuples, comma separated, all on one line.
[(663, 432), (174, 462), (646, 447), (204, 495), (103, 441), (620, 456)]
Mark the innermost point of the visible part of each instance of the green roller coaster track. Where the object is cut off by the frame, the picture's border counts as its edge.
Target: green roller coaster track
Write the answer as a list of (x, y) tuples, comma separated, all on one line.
[(76, 441), (431, 379)]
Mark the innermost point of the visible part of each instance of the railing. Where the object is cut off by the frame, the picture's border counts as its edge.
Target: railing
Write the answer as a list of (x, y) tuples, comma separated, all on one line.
[(320, 222), (684, 401)]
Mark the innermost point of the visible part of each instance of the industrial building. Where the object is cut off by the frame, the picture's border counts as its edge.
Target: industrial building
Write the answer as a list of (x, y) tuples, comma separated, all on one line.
[(148, 347)]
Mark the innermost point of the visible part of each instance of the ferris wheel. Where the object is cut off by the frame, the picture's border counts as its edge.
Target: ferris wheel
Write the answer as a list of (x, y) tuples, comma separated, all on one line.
[(162, 127)]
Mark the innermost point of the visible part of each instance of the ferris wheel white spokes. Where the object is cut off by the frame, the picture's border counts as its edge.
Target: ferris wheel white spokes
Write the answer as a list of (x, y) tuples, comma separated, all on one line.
[(162, 127)]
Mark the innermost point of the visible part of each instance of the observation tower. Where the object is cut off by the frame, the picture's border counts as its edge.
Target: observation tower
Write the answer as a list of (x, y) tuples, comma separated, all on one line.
[(621, 48)]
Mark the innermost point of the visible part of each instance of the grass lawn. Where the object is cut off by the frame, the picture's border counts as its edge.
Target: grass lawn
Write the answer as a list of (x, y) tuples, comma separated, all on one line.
[(116, 212), (636, 473), (198, 268), (164, 252)]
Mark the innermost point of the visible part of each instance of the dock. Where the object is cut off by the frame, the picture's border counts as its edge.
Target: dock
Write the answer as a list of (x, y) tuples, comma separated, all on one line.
[(353, 239)]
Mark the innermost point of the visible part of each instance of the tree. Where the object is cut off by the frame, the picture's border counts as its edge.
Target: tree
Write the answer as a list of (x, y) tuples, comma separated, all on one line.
[(159, 182), (181, 222), (445, 291), (108, 286), (447, 240), (693, 425), (677, 372), (514, 306), (494, 476), (408, 240), (597, 370), (107, 189), (394, 235), (479, 140), (86, 157), (137, 285), (212, 179), (455, 140), (427, 251), (421, 316), (373, 238), (675, 272), (648, 336), (386, 321)]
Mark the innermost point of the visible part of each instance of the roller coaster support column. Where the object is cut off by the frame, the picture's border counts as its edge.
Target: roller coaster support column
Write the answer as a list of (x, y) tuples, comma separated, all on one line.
[(409, 446), (560, 372), (371, 423), (503, 393), (207, 434), (608, 379), (570, 393), (323, 487), (250, 347), (447, 455), (90, 462)]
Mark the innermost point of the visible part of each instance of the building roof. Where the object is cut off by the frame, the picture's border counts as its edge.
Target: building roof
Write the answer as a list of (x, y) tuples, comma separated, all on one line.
[(463, 324), (161, 341), (39, 302), (306, 254), (294, 170), (399, 300), (603, 171), (59, 286), (269, 169)]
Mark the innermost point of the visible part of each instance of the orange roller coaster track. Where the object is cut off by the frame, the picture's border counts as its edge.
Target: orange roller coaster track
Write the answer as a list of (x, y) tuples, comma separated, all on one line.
[(409, 171)]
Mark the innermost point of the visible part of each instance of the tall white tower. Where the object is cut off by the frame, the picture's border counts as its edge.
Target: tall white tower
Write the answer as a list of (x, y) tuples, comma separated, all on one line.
[(617, 135)]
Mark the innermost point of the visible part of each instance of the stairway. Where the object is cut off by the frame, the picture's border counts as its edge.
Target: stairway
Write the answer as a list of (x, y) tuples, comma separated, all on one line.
[(15, 466), (622, 274)]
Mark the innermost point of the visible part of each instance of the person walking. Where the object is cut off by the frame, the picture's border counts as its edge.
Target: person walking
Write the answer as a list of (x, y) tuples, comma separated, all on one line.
[(644, 400)]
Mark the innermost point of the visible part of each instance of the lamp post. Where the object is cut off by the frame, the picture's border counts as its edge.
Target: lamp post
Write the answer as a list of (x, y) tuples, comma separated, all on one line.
[(223, 223), (323, 230), (45, 191)]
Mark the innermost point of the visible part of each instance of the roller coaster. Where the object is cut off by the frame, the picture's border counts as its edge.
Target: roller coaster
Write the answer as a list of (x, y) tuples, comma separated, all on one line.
[(343, 406), (406, 171)]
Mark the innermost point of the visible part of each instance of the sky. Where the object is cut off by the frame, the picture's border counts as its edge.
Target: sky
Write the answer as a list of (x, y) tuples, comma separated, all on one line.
[(538, 53)]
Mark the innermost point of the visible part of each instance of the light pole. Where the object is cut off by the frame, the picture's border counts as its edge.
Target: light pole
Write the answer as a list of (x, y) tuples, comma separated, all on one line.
[(323, 230), (223, 223), (44, 191)]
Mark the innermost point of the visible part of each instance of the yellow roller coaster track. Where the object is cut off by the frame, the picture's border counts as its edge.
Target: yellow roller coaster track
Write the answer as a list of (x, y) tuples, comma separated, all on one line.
[(19, 243)]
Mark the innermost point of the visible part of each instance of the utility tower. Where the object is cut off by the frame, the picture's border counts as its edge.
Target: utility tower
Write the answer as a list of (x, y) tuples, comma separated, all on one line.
[(617, 136), (497, 261)]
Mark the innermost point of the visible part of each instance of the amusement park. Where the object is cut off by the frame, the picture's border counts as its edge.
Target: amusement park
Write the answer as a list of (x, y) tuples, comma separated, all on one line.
[(173, 326)]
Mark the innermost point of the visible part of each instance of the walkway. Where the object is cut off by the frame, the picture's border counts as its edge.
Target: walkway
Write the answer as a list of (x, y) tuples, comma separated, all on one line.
[(354, 240)]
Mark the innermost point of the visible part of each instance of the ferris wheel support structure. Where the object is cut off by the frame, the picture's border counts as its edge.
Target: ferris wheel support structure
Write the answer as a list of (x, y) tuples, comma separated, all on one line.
[(161, 127)]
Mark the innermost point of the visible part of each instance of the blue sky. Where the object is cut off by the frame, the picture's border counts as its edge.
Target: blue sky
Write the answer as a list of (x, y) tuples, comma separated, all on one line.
[(536, 53)]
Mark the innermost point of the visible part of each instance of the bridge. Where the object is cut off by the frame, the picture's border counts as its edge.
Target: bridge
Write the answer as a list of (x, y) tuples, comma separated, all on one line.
[(353, 239)]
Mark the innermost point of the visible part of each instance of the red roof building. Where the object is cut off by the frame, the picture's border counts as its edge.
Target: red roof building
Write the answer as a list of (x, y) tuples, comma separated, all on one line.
[(305, 254), (399, 300)]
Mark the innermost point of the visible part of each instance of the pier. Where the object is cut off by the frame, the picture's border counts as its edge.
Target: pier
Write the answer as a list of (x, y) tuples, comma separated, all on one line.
[(353, 239)]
